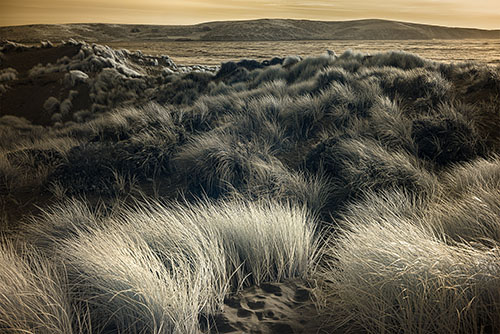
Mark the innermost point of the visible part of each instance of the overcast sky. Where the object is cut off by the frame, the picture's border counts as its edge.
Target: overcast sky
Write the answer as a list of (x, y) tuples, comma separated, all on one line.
[(462, 13)]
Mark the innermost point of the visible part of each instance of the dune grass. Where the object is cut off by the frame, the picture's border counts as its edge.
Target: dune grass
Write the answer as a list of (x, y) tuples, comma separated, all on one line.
[(390, 271), (469, 207), (156, 268), (375, 176), (34, 294)]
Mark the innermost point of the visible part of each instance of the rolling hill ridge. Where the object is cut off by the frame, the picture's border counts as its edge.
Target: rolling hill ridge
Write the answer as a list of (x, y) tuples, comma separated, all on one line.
[(253, 30)]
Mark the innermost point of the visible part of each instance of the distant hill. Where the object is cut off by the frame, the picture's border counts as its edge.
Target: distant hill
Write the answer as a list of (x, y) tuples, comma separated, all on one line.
[(254, 30)]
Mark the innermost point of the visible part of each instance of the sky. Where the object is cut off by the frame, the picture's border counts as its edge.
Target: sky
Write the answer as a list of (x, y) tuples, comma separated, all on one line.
[(457, 13)]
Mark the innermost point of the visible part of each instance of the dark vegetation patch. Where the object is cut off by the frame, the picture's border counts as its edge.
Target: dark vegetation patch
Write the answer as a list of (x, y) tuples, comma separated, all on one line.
[(183, 90), (445, 141), (364, 123), (97, 167), (357, 167)]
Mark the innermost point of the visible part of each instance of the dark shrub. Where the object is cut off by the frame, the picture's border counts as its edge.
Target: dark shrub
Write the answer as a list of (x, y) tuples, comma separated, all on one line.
[(183, 89), (226, 69), (92, 167), (308, 68), (331, 75), (423, 89), (249, 64), (238, 75), (399, 59), (276, 61), (445, 141), (357, 166)]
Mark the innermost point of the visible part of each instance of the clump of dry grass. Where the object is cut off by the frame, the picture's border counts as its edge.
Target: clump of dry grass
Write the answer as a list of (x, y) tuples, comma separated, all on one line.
[(392, 273), (157, 268), (468, 208), (34, 296)]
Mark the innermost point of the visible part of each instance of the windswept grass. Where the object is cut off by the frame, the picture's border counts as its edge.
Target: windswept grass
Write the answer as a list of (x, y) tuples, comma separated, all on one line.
[(469, 206), (157, 268), (34, 294), (390, 273)]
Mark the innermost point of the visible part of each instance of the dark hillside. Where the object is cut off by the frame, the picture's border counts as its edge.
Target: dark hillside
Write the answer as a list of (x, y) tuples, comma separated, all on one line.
[(253, 30)]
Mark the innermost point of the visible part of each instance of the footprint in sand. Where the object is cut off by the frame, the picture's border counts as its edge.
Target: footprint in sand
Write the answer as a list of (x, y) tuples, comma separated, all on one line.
[(279, 308)]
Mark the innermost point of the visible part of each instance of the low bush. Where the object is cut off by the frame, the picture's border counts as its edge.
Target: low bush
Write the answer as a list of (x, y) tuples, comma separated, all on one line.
[(358, 166), (445, 141)]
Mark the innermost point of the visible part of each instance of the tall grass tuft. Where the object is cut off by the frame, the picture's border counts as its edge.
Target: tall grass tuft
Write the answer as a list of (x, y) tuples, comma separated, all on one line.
[(157, 268), (357, 166), (392, 274), (34, 296), (468, 208)]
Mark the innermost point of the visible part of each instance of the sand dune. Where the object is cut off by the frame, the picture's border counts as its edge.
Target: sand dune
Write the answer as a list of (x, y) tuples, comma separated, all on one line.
[(78, 73)]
